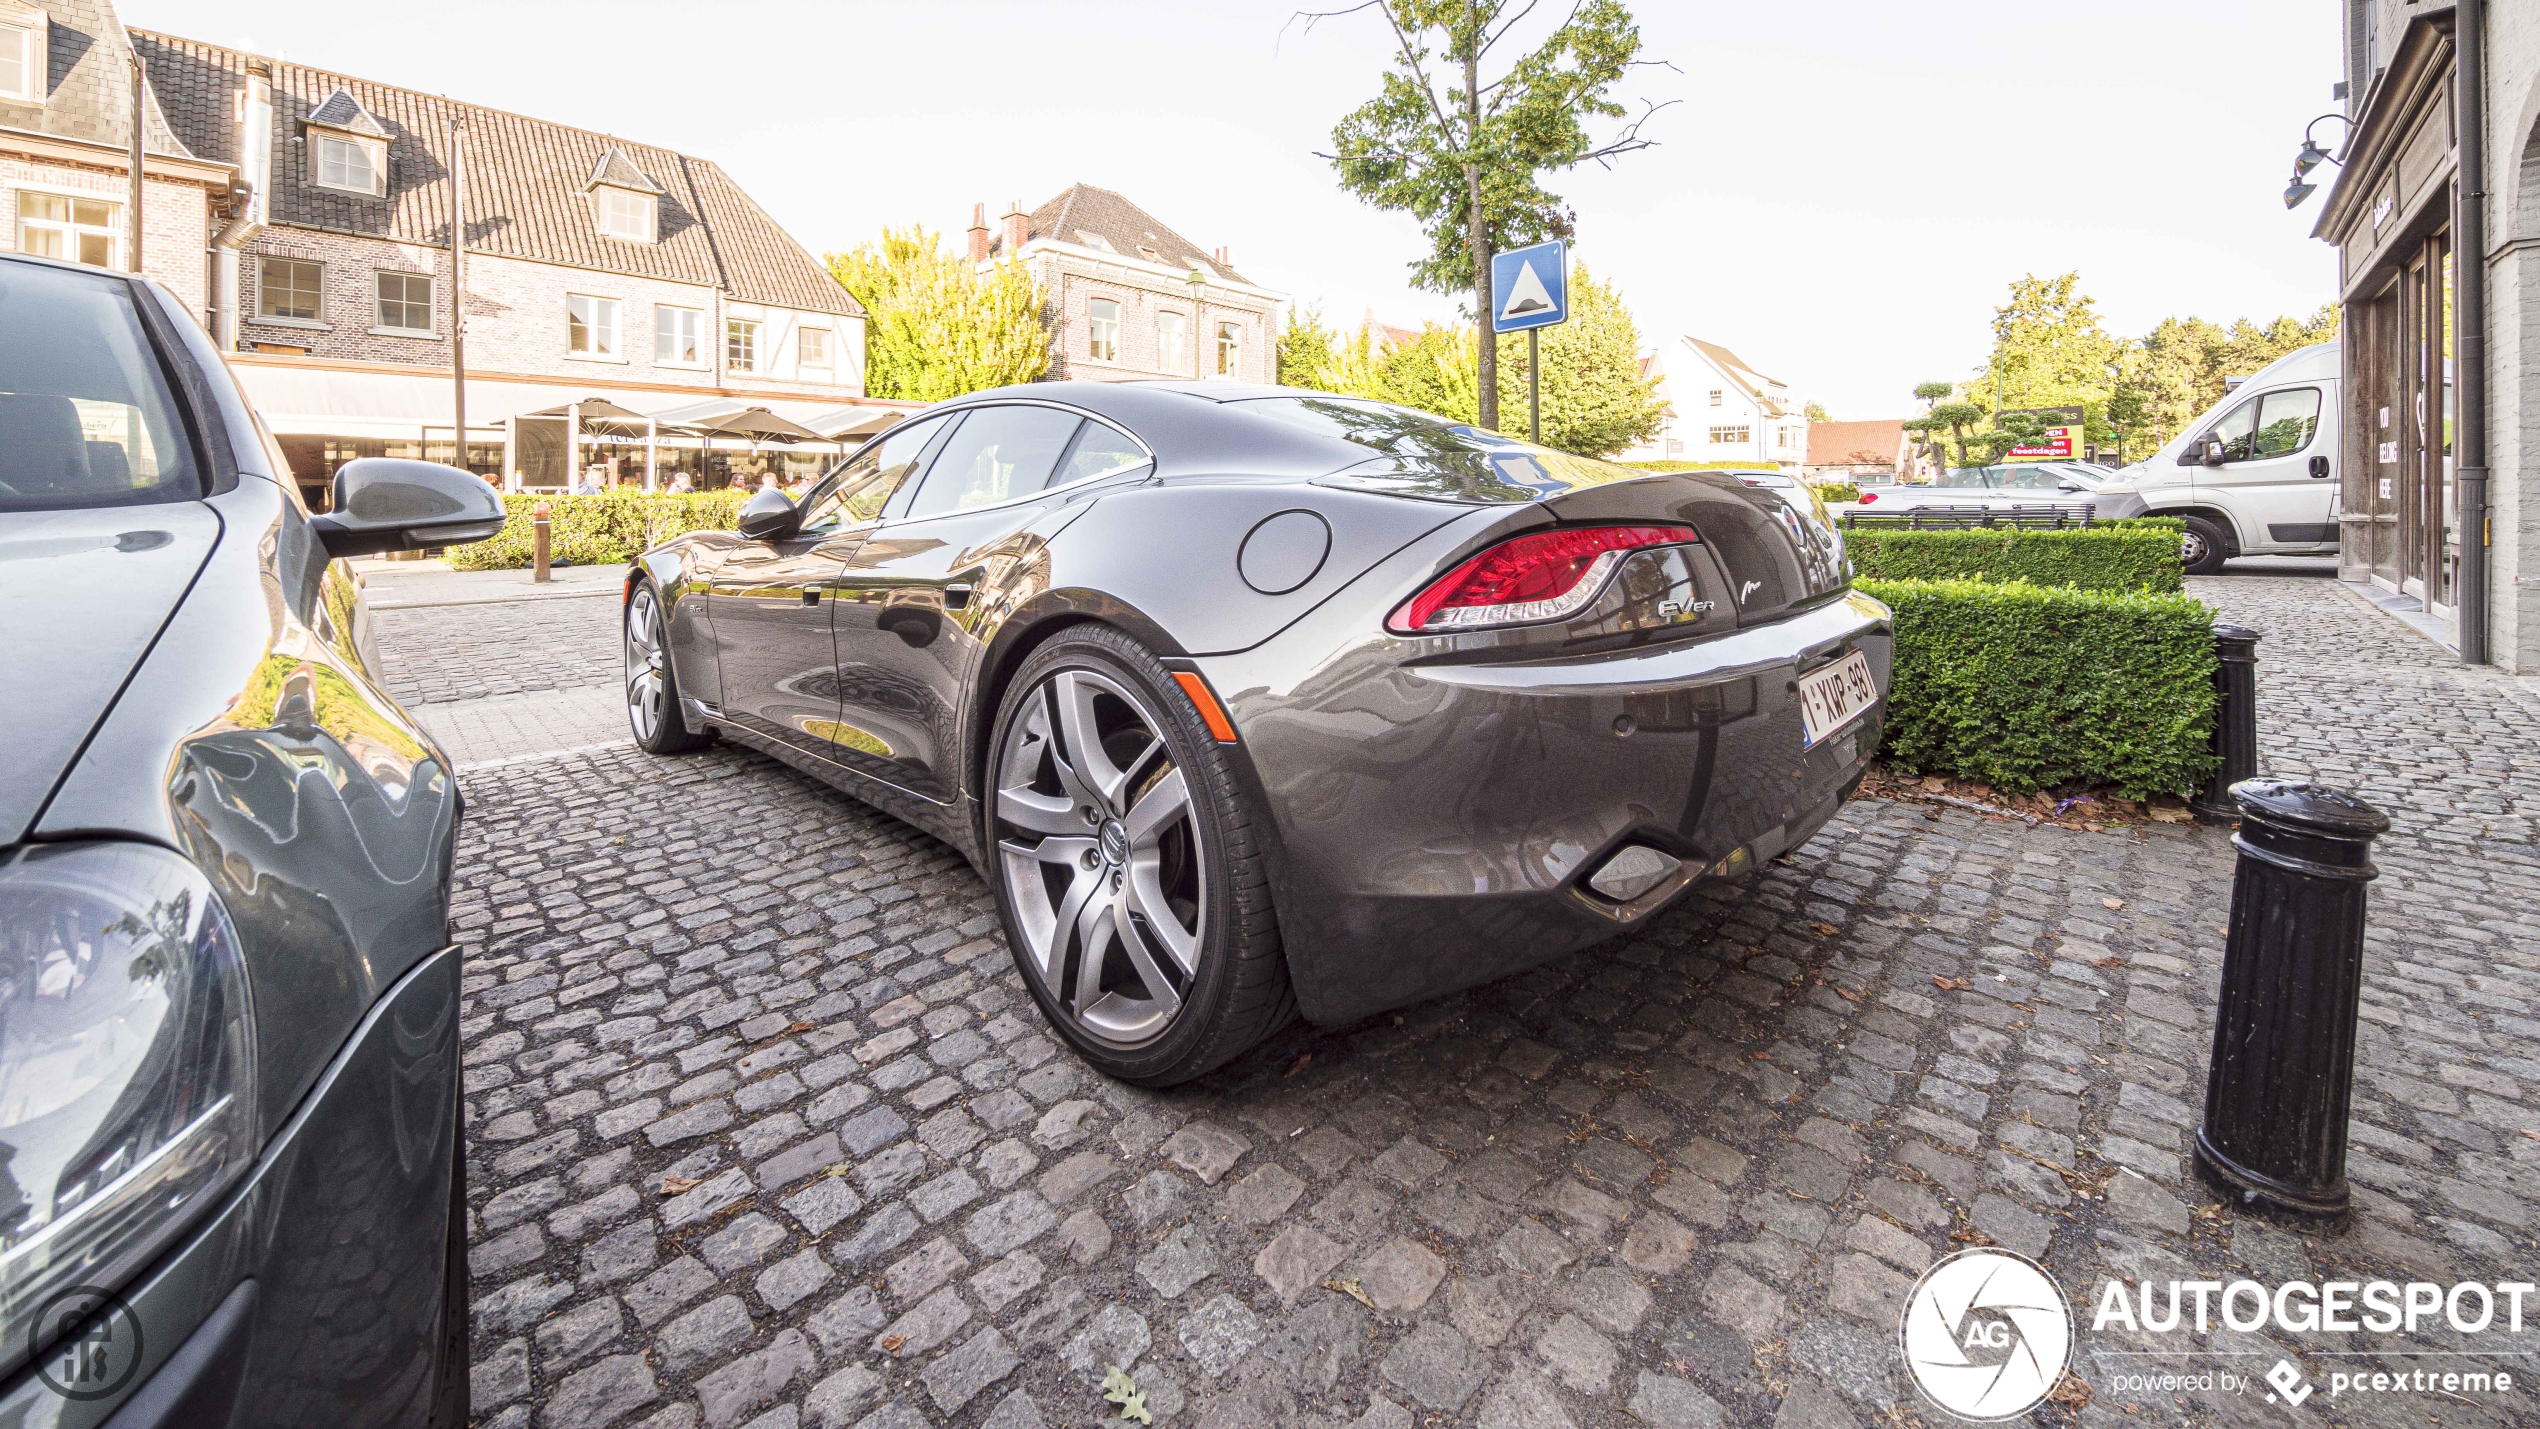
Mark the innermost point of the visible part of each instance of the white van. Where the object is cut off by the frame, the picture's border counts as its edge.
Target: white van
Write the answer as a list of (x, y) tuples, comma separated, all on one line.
[(2254, 475)]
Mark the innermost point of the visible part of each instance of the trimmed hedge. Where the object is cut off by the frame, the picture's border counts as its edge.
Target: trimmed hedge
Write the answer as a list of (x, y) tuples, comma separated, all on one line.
[(2092, 558), (1833, 491), (2027, 687), (600, 529)]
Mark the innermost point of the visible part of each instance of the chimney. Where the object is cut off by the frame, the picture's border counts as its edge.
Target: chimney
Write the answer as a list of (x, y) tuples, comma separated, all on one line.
[(1018, 228), (979, 233), (1222, 260)]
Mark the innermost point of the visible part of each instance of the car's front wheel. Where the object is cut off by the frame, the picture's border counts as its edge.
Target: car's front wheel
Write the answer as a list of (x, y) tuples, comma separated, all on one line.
[(2202, 546), (1128, 868), (652, 686)]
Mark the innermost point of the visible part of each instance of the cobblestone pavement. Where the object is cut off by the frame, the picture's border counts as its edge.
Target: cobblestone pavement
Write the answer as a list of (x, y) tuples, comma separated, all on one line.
[(439, 653), (764, 1132)]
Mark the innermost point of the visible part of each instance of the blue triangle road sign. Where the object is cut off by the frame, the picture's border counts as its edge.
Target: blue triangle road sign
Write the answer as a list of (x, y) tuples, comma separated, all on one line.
[(1530, 287)]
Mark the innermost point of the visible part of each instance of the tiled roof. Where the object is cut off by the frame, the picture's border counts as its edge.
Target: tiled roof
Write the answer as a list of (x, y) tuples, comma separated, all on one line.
[(1084, 211), (619, 171), (341, 110), (88, 83), (527, 181), (1855, 443)]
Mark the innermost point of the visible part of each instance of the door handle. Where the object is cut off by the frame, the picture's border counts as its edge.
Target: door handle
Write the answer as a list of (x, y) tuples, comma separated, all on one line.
[(812, 596), (2319, 467), (957, 596)]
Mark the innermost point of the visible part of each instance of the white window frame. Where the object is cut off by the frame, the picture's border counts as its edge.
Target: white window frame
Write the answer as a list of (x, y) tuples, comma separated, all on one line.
[(71, 229), (640, 211), (27, 34), (666, 331), (1177, 356), (602, 321), (740, 338), (1739, 436), (1102, 334), (379, 304), (827, 361), (1230, 351), (1715, 396), (374, 157), (259, 315)]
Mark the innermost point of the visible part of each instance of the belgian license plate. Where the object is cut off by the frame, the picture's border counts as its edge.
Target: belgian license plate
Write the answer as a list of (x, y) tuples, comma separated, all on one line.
[(1835, 696)]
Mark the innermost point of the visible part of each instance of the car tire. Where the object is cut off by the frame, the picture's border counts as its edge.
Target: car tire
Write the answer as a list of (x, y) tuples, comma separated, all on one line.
[(452, 1383), (652, 685), (1136, 900), (2206, 546)]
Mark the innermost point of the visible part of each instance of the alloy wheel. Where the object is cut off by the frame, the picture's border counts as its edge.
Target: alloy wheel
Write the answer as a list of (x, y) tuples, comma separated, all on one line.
[(2191, 550), (1102, 857), (644, 684)]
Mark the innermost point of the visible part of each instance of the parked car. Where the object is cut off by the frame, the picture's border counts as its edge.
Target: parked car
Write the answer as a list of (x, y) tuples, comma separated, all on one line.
[(2256, 474), (229, 1174), (2041, 486), (1252, 701)]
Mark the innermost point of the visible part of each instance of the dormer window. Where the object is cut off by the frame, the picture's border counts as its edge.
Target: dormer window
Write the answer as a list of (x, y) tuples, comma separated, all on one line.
[(22, 46), (347, 149), (625, 202), (624, 215)]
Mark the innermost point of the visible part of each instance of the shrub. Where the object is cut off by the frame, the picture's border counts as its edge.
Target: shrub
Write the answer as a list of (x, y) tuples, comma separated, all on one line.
[(600, 529), (2093, 558), (1833, 491), (2027, 687)]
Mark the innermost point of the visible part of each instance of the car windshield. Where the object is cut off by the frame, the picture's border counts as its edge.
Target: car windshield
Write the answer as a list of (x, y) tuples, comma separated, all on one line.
[(86, 418), (1976, 476)]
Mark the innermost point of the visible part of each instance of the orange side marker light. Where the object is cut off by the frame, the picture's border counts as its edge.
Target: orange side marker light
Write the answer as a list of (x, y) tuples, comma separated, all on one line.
[(1211, 713)]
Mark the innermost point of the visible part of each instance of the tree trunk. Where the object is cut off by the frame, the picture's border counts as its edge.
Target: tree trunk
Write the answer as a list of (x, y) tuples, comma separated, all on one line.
[(1476, 225)]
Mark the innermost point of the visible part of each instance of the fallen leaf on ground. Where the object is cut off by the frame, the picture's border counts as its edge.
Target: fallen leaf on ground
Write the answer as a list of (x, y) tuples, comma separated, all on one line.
[(1351, 1289), (2069, 1392), (673, 1185), (1846, 993), (1824, 930), (894, 1344), (2112, 904), (1299, 1064), (2115, 961), (1950, 984)]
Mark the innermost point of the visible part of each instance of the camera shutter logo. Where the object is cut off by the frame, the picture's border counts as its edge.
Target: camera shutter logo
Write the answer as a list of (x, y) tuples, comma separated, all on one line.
[(1986, 1334)]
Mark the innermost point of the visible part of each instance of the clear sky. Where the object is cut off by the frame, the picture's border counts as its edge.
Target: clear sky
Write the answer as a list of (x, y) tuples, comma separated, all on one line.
[(1841, 192)]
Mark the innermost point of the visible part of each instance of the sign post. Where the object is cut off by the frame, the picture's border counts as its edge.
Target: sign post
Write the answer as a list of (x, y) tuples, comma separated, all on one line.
[(1533, 288)]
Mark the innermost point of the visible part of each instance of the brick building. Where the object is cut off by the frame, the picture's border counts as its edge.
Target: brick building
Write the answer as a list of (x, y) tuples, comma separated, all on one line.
[(1128, 298), (2438, 179), (305, 216)]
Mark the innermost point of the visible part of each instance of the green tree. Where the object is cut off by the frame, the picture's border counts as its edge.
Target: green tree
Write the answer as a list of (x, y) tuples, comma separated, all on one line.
[(2049, 351), (2179, 369), (1816, 412), (935, 325), (1308, 351), (1464, 153)]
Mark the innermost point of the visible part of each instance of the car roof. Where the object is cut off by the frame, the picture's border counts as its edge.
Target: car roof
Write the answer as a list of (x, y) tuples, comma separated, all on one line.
[(1194, 428)]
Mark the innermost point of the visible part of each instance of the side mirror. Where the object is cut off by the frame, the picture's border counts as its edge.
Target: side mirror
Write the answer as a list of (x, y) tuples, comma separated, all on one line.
[(769, 516), (390, 504), (2213, 452), (2070, 486)]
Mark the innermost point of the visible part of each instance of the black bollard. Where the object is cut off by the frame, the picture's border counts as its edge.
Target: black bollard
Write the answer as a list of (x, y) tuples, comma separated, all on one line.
[(2235, 722), (2283, 1074)]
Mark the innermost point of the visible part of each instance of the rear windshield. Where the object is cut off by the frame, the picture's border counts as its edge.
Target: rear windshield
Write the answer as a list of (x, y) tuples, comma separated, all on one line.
[(1379, 426), (86, 418)]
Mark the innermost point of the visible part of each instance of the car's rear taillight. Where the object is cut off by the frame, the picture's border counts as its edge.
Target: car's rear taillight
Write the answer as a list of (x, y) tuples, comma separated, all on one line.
[(1869, 498), (1542, 575)]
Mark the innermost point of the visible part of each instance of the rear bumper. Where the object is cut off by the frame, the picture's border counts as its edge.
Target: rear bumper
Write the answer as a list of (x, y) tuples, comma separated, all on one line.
[(1438, 824)]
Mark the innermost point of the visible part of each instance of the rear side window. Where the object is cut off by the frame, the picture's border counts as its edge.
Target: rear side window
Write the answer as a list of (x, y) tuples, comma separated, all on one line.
[(86, 417), (857, 490), (997, 454), (1099, 451)]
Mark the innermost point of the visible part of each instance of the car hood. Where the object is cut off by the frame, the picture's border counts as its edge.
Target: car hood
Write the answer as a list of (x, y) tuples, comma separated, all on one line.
[(85, 594)]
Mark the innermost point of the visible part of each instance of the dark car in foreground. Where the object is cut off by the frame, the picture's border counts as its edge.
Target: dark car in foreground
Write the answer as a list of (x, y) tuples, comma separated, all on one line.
[(230, 1188), (1252, 701)]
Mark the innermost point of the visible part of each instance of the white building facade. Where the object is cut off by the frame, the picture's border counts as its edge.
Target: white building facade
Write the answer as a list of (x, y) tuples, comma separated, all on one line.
[(1719, 409)]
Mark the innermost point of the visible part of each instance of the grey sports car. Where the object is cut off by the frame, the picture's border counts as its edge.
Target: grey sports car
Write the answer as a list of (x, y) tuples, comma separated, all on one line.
[(1253, 701)]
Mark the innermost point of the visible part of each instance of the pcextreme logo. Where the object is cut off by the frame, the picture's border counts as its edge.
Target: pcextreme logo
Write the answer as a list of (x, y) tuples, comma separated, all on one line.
[(1986, 1334)]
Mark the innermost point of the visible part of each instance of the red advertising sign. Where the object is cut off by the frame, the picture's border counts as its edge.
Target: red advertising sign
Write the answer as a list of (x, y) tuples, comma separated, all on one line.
[(2058, 446)]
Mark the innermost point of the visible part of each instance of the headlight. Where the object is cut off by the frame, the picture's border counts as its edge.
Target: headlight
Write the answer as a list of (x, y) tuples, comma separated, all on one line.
[(127, 1072), (2116, 488)]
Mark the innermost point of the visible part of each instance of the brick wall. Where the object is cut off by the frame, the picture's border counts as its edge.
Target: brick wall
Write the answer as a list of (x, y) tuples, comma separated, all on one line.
[(175, 217), (517, 318), (1071, 285)]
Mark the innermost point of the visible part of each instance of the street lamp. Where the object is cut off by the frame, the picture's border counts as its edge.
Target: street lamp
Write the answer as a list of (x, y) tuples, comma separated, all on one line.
[(2310, 157), (1199, 318)]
